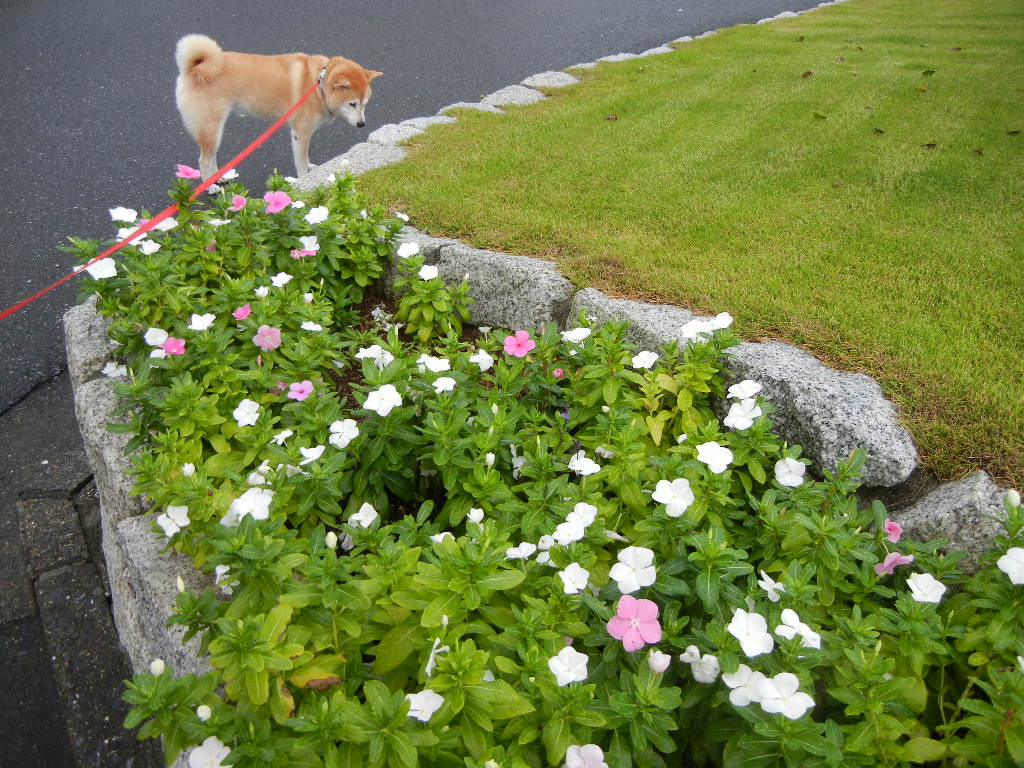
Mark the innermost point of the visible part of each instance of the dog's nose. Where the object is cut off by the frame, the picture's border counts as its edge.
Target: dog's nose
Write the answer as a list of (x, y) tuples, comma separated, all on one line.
[(360, 124)]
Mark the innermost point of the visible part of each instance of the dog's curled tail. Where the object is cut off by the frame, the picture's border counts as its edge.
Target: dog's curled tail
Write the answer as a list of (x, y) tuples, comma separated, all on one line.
[(199, 55)]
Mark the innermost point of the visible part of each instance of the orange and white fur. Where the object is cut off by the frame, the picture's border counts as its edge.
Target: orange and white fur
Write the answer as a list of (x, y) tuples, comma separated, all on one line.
[(211, 81)]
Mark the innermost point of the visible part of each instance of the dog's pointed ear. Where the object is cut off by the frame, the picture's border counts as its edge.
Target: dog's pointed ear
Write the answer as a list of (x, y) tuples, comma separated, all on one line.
[(372, 73)]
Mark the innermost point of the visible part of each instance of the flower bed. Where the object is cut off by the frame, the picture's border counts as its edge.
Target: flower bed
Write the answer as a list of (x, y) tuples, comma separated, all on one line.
[(530, 548)]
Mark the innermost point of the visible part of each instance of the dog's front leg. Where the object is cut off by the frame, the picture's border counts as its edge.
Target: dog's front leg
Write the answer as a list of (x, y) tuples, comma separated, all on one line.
[(300, 150)]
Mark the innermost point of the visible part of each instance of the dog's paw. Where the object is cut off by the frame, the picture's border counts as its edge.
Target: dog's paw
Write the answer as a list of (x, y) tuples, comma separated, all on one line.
[(214, 189)]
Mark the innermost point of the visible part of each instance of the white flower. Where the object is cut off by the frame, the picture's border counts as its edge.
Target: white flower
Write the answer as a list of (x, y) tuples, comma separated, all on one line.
[(220, 577), (113, 370), (690, 655), (383, 400), (790, 472), (604, 453), (405, 250), (682, 438), (706, 669), (569, 666), (925, 588), (576, 335), (155, 337), (246, 413), (280, 280), (218, 222), (424, 704), (444, 384), (309, 242), (427, 272), (187, 470), (173, 520), (203, 712), (317, 215), (771, 586), (742, 414), (437, 538), (380, 356), (311, 454), (436, 650), (751, 629), (482, 358), (676, 495), (343, 433), (645, 359), (166, 225), (426, 363), (484, 329), (364, 517), (262, 291), (489, 459), (585, 513), (1012, 564), (745, 389), (309, 325), (522, 552), (569, 531), (307, 298), (581, 465), (574, 578), (658, 661), (634, 570), (475, 515), (157, 667), (295, 203), (402, 216), (586, 756), (126, 215), (201, 322), (717, 457), (745, 684), (255, 502), (149, 247), (126, 232), (281, 436), (102, 269), (158, 353), (792, 626), (781, 694), (229, 175)]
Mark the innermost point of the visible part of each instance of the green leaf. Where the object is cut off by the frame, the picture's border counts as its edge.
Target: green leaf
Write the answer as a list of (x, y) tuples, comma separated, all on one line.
[(922, 750), (499, 700), (557, 738), (501, 580), (395, 647)]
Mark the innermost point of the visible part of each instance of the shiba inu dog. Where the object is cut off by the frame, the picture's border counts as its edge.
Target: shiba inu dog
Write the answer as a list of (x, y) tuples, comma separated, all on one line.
[(211, 81)]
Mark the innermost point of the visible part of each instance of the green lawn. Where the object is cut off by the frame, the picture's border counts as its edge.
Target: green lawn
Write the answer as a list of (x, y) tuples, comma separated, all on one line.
[(850, 181)]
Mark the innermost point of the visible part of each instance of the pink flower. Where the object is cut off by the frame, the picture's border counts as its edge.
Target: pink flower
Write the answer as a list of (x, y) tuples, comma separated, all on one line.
[(635, 623), (185, 172), (237, 203), (300, 390), (893, 530), (211, 247), (242, 312), (174, 346), (891, 561), (276, 201), (267, 338), (298, 253), (278, 388), (558, 373), (519, 345)]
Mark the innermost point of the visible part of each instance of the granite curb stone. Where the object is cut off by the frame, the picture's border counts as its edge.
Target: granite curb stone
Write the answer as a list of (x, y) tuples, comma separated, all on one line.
[(88, 346), (478, 105), (426, 122), (393, 133), (550, 80), (651, 326), (510, 291), (968, 512), (828, 412), (513, 95)]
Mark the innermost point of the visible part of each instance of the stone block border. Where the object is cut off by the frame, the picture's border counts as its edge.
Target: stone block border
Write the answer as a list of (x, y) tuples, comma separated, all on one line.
[(828, 412)]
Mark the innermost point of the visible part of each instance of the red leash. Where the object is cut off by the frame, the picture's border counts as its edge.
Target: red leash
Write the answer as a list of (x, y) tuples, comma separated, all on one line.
[(172, 209)]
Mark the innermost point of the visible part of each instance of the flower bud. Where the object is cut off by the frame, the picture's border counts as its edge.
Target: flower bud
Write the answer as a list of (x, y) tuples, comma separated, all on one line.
[(1012, 497), (181, 584), (157, 667), (489, 459), (203, 712), (658, 661), (331, 539)]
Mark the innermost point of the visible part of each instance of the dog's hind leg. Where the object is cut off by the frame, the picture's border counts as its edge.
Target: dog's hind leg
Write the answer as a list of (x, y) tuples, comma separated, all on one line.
[(208, 137)]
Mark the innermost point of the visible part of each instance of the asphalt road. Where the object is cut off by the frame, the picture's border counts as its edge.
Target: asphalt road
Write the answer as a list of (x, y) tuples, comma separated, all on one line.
[(88, 121)]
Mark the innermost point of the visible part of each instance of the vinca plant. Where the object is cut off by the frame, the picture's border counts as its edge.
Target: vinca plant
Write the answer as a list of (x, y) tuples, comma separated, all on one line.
[(513, 547)]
